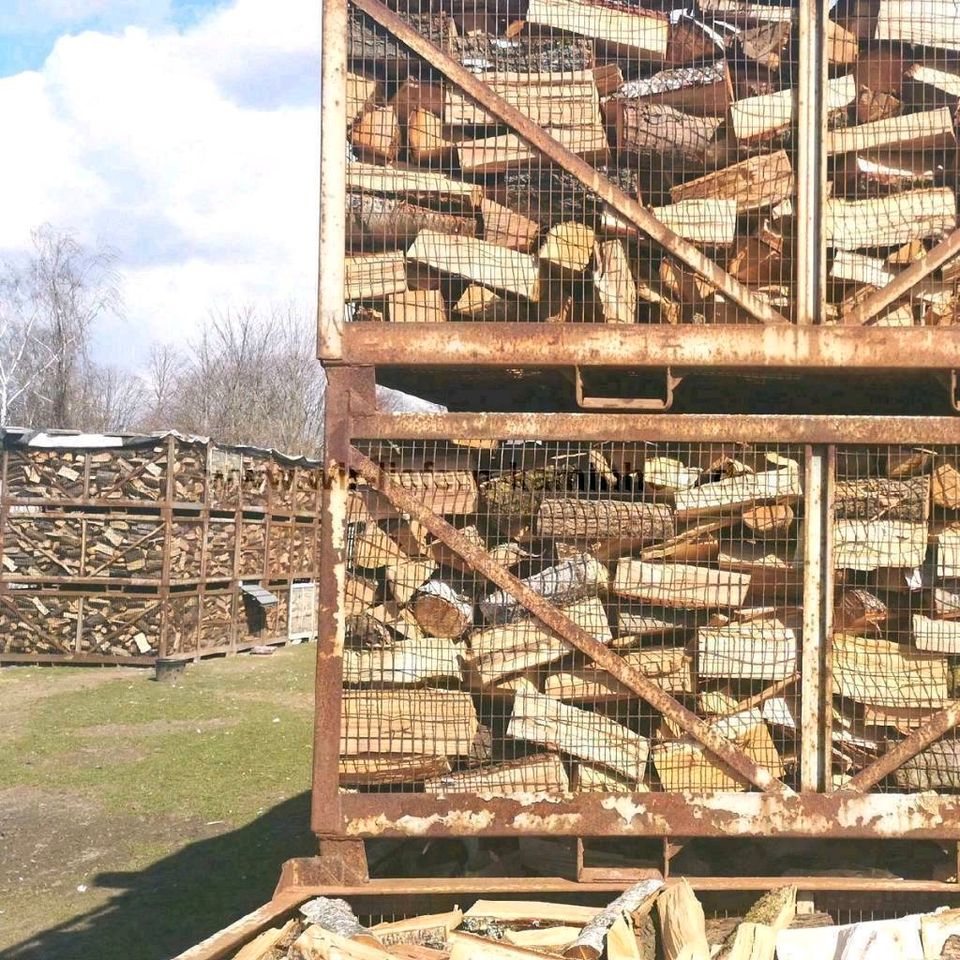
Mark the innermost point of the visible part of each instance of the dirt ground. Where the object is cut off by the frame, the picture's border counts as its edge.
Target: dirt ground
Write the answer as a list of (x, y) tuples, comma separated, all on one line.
[(138, 817)]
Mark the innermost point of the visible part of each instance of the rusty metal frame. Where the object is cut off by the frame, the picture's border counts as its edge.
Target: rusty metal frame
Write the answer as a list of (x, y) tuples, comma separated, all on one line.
[(810, 344), (771, 811)]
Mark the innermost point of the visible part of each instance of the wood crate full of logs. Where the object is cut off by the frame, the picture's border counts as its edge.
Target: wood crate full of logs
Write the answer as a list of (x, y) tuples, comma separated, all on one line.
[(694, 111)]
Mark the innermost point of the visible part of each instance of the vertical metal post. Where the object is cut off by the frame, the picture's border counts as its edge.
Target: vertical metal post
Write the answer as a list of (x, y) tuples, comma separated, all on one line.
[(810, 162), (811, 753), (333, 182), (827, 602), (166, 511), (326, 815)]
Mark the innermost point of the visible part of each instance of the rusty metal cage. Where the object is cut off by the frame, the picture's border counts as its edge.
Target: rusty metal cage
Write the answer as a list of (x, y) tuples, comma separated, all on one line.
[(779, 180), (669, 626)]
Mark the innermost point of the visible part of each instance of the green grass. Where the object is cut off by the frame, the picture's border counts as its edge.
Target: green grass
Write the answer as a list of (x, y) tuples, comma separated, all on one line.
[(185, 799)]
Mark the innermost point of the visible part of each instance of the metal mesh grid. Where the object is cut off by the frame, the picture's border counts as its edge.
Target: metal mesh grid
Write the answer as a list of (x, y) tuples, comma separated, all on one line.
[(683, 558), (892, 170), (896, 637), (690, 110)]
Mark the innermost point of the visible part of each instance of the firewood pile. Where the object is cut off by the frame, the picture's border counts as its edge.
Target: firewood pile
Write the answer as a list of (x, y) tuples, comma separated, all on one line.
[(693, 111), (649, 920), (687, 561), (168, 525)]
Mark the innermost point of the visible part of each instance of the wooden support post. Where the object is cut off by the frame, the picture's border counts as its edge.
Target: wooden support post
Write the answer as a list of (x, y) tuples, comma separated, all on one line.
[(333, 182), (166, 511), (814, 542), (621, 203)]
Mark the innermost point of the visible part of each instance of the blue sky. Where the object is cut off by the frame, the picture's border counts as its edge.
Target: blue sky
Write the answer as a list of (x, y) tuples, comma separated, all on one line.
[(183, 134)]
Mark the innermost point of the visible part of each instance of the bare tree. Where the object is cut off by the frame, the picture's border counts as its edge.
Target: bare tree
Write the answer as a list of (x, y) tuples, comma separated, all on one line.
[(110, 400), (49, 303)]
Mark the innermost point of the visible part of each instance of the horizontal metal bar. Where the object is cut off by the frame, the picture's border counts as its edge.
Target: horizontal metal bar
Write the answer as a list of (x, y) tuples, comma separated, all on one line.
[(771, 346), (680, 428), (880, 815)]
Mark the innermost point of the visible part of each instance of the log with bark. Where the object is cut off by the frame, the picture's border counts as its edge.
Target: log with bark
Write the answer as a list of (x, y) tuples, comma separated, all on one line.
[(679, 585), (539, 773), (668, 667)]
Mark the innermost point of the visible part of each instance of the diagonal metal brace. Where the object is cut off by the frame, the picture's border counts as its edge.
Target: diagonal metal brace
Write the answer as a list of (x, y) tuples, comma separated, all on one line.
[(942, 722), (562, 626), (622, 203)]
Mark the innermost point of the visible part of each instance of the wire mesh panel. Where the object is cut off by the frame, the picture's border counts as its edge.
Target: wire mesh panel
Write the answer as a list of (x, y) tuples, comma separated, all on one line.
[(689, 109), (896, 620), (891, 156), (685, 559)]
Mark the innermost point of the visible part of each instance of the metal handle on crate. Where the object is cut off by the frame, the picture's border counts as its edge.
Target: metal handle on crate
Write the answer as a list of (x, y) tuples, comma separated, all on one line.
[(654, 404)]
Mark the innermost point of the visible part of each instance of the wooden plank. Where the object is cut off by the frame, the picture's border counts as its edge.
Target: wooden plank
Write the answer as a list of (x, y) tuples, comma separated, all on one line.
[(484, 263), (679, 585)]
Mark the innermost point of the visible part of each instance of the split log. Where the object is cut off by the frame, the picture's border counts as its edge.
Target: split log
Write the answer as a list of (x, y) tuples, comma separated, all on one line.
[(881, 673), (637, 901), (447, 492), (924, 23), (945, 486), (416, 306), (751, 941), (882, 172), (359, 593), (927, 130), (484, 53), (262, 947), (479, 303), (469, 947), (415, 185), (683, 931), (373, 549), (601, 519), (608, 77), (858, 610), (932, 74), (546, 938), (506, 227), (579, 577), (568, 246), (652, 129), (406, 663), (948, 553), (414, 722), (390, 222), (336, 916), (441, 611), (890, 221), (374, 47), (361, 94), (591, 778), (936, 636), (564, 100), (669, 667), (842, 46), (684, 764), (744, 11), (764, 116), (773, 519), (680, 585), (428, 930), (879, 498), (483, 263), (700, 91), (614, 283), (870, 544), (732, 494), (634, 626), (935, 768), (757, 182), (405, 577), (500, 651), (376, 135), (579, 733), (664, 473), (756, 650), (508, 151), (374, 275), (766, 44), (946, 604), (520, 914), (541, 773), (708, 222), (642, 32), (936, 929), (773, 912), (369, 769), (427, 139)]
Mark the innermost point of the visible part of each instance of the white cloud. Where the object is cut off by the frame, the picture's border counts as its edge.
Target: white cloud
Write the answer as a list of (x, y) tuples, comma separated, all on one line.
[(194, 154)]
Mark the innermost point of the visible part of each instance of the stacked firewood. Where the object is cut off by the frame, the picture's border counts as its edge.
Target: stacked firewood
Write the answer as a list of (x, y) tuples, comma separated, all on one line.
[(450, 216), (649, 920), (684, 561)]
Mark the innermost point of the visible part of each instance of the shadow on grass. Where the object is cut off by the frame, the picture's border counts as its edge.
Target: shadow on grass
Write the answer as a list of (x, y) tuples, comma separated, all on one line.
[(179, 900)]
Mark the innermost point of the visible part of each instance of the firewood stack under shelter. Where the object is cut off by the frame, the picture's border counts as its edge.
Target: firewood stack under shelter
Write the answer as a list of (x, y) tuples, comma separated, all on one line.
[(690, 109), (129, 548)]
